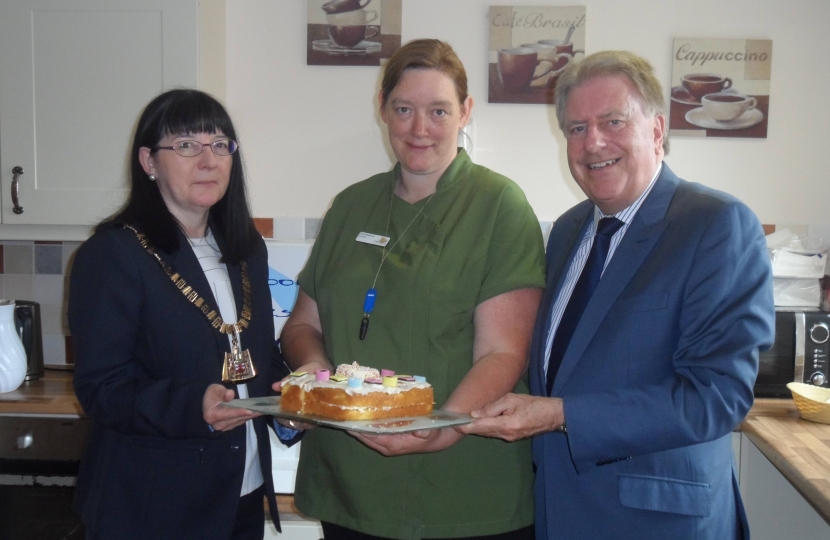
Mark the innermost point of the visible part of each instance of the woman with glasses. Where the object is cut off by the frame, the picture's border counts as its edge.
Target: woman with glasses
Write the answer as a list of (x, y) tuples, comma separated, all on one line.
[(171, 315)]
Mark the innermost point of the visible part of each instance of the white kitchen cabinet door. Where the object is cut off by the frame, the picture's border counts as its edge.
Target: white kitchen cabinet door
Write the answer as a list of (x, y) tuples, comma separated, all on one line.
[(74, 76), (774, 508)]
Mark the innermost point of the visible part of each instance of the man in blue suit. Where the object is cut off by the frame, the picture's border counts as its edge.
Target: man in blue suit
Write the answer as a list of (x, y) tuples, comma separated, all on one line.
[(645, 351)]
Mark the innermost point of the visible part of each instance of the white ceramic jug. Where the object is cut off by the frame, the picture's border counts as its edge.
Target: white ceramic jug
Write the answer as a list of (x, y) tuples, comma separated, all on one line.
[(12, 354)]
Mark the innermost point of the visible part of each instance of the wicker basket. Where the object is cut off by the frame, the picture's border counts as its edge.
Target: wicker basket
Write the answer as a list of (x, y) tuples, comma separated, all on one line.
[(811, 401)]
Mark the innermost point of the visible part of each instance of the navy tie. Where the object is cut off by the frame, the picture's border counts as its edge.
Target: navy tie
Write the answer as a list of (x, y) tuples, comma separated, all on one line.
[(583, 290)]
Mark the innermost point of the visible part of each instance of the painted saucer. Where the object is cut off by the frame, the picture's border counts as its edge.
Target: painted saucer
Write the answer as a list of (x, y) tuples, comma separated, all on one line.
[(699, 118), (679, 94), (332, 48)]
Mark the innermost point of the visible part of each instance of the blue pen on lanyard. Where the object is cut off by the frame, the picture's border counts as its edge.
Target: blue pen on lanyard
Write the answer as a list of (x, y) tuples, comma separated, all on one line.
[(368, 306)]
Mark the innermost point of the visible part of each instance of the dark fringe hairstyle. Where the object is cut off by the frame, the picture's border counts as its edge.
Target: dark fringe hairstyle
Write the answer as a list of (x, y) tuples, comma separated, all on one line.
[(179, 112)]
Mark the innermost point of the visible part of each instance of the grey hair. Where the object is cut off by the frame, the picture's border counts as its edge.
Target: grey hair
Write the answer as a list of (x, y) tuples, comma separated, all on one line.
[(635, 68)]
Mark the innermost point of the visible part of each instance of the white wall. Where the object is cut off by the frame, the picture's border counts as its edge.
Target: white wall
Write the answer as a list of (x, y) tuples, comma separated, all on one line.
[(310, 131)]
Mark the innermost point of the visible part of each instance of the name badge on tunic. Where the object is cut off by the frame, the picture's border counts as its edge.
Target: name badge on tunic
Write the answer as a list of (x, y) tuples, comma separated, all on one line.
[(374, 239)]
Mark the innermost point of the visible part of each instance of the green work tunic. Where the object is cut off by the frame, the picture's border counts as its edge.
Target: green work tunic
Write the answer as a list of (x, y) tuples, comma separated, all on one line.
[(475, 239)]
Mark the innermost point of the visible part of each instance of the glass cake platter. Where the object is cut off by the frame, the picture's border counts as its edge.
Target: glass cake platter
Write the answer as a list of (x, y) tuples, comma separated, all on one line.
[(437, 419)]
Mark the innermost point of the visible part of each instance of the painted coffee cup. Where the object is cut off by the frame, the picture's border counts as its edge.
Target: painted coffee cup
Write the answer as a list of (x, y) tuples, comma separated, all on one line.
[(351, 35), (562, 47), (700, 84), (352, 18), (559, 61), (517, 67), (349, 28), (724, 106), (342, 6)]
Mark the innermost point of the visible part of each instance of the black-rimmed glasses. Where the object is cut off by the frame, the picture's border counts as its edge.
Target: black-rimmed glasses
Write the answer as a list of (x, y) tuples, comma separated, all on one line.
[(221, 147)]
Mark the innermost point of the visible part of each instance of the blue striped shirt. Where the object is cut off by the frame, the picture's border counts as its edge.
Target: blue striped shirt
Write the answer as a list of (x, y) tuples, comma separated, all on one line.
[(578, 263)]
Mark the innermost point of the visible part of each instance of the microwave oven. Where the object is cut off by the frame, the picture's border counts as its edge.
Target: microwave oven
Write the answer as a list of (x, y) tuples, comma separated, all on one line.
[(800, 353)]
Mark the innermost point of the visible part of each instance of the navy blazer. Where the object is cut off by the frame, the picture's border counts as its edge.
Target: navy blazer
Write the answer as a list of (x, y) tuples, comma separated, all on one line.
[(144, 356), (658, 373)]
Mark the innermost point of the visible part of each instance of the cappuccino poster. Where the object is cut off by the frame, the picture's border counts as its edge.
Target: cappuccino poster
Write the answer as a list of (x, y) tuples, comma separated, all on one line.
[(720, 88), (352, 32), (529, 49)]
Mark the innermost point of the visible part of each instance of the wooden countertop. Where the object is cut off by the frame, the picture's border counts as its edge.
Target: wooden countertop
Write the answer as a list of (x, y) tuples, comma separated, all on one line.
[(51, 394), (799, 449)]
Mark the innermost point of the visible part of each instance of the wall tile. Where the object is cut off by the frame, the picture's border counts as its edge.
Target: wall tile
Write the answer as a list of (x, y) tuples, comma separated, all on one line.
[(18, 259), (19, 286), (48, 259), (546, 227), (265, 227), (799, 230), (54, 349), (312, 228), (289, 228), (48, 289), (51, 319), (820, 231), (69, 249)]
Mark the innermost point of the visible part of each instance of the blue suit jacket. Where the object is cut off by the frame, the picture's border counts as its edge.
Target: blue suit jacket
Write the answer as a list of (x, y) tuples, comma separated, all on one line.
[(144, 357), (658, 373)]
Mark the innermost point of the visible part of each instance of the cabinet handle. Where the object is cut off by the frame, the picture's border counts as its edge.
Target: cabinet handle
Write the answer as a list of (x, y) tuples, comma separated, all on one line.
[(17, 171)]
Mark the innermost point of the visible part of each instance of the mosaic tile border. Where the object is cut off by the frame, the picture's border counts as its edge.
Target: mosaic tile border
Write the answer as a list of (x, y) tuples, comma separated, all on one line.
[(39, 270)]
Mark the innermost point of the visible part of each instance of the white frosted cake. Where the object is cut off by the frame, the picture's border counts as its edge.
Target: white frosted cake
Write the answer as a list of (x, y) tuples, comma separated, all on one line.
[(357, 393)]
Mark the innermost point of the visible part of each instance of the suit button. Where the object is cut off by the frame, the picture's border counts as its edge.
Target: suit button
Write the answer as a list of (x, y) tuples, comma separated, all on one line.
[(235, 447)]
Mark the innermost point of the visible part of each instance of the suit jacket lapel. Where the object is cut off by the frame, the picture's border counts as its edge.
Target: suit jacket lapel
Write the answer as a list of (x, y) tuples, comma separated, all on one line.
[(643, 233), (558, 264)]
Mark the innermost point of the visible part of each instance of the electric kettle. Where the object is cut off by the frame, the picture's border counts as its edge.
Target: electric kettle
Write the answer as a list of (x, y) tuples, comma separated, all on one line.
[(27, 324)]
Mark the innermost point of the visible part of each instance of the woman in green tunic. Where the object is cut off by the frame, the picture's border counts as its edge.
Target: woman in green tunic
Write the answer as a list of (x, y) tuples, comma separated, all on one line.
[(457, 288)]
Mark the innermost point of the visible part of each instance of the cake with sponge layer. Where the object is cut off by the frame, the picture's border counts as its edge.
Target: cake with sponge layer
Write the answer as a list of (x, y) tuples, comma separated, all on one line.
[(340, 397)]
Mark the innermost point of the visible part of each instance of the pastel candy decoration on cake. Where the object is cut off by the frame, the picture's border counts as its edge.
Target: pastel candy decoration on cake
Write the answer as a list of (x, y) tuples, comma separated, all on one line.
[(365, 396)]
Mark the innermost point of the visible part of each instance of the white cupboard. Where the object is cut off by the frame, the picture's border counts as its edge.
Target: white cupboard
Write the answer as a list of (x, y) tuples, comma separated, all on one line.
[(74, 76), (774, 508)]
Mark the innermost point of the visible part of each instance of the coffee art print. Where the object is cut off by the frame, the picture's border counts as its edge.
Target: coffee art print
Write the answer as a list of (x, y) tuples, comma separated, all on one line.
[(529, 49), (720, 88), (352, 32)]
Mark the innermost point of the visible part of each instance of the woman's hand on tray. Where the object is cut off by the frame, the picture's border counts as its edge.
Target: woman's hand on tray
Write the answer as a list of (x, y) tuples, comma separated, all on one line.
[(223, 418), (310, 367), (413, 442)]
